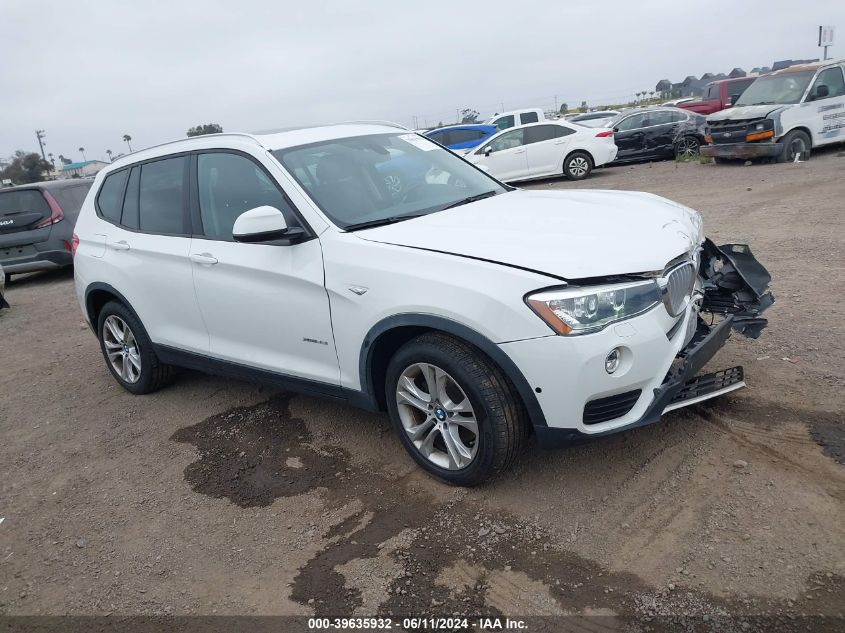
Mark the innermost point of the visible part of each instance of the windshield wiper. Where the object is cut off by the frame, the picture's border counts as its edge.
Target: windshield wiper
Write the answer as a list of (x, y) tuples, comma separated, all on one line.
[(469, 199), (369, 224)]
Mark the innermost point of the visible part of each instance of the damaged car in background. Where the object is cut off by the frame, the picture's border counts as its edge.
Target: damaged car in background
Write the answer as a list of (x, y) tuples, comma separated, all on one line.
[(472, 312)]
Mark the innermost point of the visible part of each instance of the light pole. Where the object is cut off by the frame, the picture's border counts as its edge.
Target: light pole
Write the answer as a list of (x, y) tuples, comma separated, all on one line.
[(39, 134)]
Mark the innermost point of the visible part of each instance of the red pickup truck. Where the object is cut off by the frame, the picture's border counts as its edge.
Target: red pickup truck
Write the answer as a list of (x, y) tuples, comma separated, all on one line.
[(718, 95)]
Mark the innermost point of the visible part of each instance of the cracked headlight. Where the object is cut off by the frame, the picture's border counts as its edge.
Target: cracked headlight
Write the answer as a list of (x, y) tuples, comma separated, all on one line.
[(571, 311)]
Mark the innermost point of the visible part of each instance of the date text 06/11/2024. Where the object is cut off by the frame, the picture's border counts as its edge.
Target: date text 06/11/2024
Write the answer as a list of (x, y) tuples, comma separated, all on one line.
[(418, 623)]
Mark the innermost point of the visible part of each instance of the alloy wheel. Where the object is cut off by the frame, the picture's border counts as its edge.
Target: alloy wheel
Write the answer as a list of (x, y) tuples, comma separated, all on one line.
[(437, 416), (122, 349), (578, 166), (688, 148)]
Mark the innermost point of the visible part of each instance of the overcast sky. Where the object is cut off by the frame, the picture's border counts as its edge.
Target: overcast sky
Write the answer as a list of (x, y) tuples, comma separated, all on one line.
[(90, 72)]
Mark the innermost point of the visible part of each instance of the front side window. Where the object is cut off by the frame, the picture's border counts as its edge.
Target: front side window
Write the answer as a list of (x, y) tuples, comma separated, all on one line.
[(508, 140), (632, 122), (529, 117), (229, 185), (110, 198), (383, 178), (679, 116), (661, 117), (773, 89), (504, 122), (833, 79), (161, 194)]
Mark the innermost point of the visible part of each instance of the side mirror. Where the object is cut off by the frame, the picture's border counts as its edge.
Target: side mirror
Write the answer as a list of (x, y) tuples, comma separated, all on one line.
[(822, 91), (488, 150), (615, 130), (265, 224)]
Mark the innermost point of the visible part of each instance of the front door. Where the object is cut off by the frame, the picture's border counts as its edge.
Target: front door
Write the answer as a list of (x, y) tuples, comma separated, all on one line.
[(629, 138), (264, 305), (507, 159)]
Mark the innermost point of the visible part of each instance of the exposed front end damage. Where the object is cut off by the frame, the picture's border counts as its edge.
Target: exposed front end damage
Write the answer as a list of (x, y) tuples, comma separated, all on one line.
[(735, 283)]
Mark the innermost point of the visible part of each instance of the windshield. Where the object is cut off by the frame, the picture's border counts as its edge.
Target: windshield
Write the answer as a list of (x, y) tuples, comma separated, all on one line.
[(383, 178), (786, 88)]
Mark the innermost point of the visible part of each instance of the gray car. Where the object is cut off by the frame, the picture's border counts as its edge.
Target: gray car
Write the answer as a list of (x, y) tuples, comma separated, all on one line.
[(36, 225)]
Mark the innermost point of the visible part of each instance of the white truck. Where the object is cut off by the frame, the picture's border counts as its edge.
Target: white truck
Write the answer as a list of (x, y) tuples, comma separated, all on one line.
[(513, 118), (782, 115)]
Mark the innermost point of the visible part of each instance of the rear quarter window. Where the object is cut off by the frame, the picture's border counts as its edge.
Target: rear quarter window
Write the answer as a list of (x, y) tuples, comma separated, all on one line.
[(110, 197)]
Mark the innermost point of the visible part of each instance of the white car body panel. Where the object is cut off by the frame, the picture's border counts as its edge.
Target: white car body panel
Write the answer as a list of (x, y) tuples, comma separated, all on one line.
[(558, 232)]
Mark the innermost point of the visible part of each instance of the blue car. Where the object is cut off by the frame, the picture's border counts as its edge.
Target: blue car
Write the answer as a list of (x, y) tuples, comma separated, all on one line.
[(461, 138)]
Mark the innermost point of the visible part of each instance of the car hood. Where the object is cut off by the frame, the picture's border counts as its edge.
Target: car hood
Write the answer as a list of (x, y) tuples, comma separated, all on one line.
[(567, 234), (743, 113)]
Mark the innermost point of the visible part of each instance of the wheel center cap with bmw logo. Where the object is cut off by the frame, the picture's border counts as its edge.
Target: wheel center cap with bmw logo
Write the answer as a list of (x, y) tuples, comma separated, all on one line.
[(440, 414)]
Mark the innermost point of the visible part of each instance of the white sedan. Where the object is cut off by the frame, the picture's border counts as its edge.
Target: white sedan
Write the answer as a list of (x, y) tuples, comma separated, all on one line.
[(545, 150)]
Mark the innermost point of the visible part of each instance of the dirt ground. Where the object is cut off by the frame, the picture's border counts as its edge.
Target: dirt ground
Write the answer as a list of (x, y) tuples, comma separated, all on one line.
[(220, 497)]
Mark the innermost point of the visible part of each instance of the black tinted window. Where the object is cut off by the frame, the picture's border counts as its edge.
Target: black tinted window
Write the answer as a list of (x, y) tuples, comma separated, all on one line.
[(540, 133), (508, 140), (661, 117), (464, 136), (160, 198), (230, 184), (679, 116), (529, 117), (632, 122), (26, 201), (832, 78), (110, 198)]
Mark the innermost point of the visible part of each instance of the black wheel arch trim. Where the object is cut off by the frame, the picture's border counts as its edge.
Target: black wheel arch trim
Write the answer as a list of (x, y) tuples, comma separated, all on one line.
[(459, 330), (89, 305)]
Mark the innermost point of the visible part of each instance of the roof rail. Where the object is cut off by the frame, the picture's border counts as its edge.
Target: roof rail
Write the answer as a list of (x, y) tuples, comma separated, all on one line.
[(182, 140), (279, 130)]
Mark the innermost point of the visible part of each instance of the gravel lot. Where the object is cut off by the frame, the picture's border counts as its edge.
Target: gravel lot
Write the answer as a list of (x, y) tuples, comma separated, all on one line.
[(220, 497)]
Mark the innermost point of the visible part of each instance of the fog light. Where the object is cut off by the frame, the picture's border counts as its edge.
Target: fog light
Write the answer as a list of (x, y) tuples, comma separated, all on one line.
[(611, 363)]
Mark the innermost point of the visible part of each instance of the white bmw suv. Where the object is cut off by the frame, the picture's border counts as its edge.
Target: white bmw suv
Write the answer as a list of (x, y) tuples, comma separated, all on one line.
[(368, 264)]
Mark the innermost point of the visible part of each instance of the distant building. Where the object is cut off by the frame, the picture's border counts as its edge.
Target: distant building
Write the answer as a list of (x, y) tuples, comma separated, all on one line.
[(736, 73), (786, 63), (81, 169)]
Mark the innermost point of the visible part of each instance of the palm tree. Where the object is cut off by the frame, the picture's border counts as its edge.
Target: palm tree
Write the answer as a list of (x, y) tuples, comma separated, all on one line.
[(82, 151), (108, 151), (126, 139), (52, 160)]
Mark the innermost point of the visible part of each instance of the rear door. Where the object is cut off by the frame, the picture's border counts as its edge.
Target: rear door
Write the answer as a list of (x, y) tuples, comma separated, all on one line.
[(507, 159), (660, 134), (147, 247), (546, 146), (265, 305)]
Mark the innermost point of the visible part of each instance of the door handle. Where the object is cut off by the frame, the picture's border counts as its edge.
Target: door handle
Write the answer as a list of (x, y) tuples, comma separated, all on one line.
[(203, 258), (122, 245), (519, 151)]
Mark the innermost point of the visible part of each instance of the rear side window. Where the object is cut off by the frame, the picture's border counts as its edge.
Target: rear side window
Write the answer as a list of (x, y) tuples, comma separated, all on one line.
[(160, 198), (110, 198), (130, 218), (679, 116), (504, 122), (464, 136), (529, 117), (540, 133)]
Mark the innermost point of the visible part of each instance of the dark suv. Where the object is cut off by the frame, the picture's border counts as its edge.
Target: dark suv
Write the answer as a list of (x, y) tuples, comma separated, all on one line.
[(36, 224)]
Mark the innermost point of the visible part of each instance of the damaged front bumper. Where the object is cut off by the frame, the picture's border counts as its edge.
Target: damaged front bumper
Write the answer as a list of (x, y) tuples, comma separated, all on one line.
[(742, 150), (734, 286)]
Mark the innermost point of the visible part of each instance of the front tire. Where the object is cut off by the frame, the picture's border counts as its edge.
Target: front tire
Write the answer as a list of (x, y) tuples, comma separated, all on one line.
[(456, 413), (128, 351), (794, 143), (577, 165)]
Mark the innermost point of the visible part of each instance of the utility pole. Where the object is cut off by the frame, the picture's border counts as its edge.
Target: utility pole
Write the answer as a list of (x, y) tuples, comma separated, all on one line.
[(39, 134)]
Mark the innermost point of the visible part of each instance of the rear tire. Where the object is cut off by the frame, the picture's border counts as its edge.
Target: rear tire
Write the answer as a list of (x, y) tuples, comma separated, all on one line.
[(577, 165), (7, 277), (687, 148), (128, 351), (475, 415), (794, 142)]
